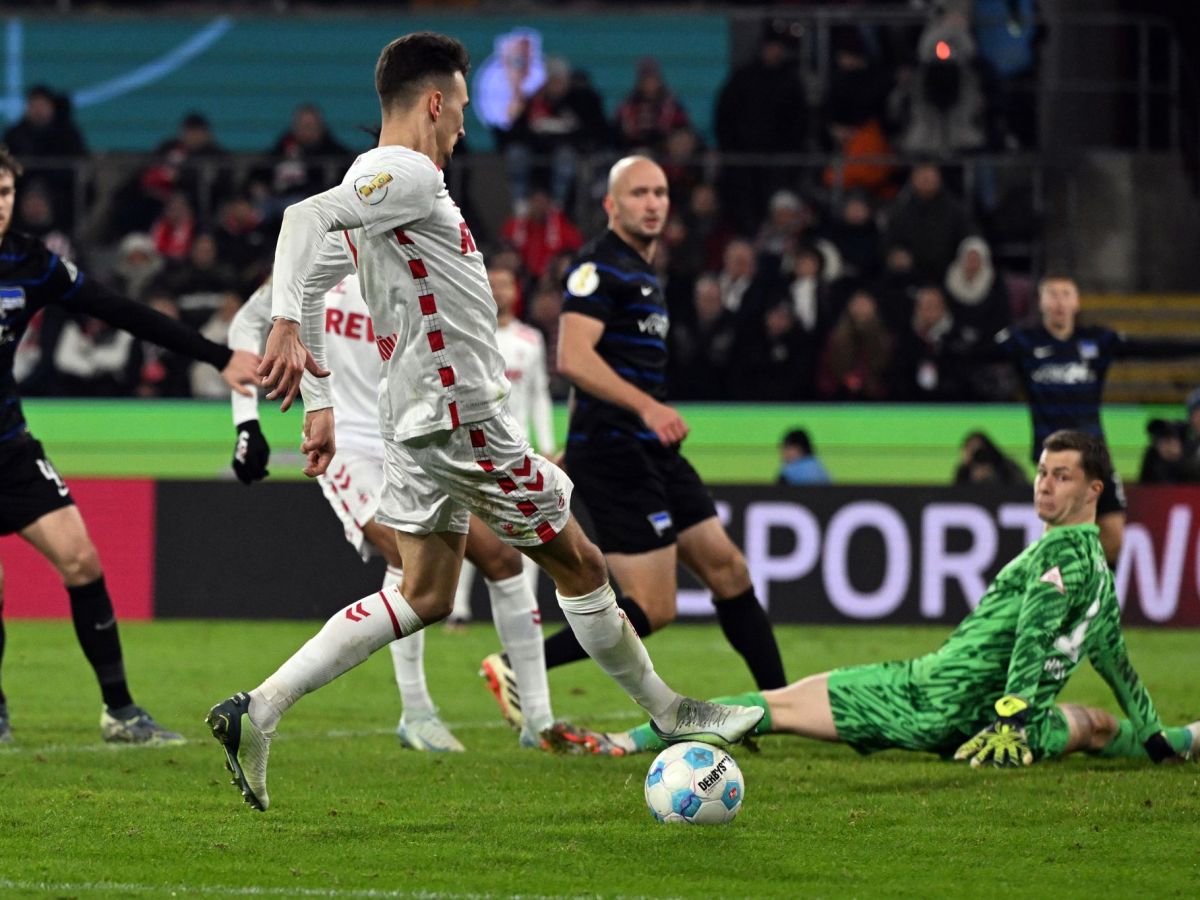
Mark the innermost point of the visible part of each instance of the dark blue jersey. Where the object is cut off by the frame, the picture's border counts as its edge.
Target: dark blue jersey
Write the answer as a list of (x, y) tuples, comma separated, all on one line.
[(1064, 379), (610, 282), (31, 277)]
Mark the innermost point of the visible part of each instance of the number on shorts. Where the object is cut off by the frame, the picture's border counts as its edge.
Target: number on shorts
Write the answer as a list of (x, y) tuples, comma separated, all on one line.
[(50, 474)]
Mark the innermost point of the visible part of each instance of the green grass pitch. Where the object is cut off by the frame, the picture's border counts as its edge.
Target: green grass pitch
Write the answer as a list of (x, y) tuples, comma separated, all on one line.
[(355, 816)]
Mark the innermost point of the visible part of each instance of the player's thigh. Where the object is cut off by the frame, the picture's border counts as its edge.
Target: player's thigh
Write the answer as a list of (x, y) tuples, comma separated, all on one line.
[(803, 708), (623, 488), (62, 538), (490, 555), (650, 578), (707, 550), (489, 468)]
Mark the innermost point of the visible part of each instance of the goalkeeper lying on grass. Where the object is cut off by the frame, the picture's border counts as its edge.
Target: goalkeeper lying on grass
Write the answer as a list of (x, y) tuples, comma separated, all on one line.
[(987, 694)]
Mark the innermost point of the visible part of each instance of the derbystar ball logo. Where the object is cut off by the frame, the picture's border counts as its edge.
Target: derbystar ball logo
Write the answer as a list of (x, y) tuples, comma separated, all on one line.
[(714, 776)]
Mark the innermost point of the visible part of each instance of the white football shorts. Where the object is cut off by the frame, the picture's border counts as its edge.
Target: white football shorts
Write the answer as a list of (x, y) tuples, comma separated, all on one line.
[(352, 484), (434, 482)]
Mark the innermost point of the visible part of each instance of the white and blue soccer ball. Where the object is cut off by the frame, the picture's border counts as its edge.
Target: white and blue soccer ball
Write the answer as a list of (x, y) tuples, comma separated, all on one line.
[(694, 783)]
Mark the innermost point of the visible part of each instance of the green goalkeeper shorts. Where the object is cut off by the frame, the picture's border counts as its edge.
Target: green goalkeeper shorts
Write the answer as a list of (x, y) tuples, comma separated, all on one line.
[(880, 707)]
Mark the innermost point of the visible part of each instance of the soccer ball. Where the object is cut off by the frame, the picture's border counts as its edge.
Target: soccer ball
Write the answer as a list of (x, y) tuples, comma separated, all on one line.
[(694, 783)]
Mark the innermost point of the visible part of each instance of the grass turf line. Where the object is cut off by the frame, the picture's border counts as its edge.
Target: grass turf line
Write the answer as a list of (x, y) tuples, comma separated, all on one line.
[(354, 816)]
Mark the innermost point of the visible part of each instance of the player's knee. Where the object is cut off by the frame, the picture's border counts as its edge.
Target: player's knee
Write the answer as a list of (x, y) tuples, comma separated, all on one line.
[(81, 565), (1103, 727), (507, 563), (660, 616)]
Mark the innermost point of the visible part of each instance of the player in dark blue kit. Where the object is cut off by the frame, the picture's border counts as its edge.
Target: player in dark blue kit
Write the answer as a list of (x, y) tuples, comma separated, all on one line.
[(1063, 367), (35, 502), (648, 505)]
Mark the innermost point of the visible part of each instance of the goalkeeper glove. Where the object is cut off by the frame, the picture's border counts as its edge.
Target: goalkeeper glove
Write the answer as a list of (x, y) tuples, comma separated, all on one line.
[(251, 453), (1003, 743)]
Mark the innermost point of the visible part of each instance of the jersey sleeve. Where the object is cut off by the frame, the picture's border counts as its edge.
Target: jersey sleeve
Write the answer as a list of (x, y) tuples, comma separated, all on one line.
[(1121, 346), (331, 265), (1106, 650), (540, 408), (585, 292), (74, 291), (1054, 578), (401, 191)]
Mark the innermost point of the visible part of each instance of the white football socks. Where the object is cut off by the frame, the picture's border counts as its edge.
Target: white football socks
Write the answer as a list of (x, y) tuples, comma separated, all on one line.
[(462, 594), (408, 661), (533, 575), (604, 632), (519, 624), (349, 637)]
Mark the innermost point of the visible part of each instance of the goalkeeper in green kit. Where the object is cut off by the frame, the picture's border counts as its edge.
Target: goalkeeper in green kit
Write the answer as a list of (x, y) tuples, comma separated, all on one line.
[(987, 694)]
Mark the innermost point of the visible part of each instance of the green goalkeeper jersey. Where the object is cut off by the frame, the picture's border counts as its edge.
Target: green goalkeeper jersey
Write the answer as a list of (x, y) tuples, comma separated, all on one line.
[(1044, 611)]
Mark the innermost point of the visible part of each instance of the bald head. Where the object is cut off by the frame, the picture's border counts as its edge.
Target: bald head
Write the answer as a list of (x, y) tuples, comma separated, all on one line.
[(637, 202)]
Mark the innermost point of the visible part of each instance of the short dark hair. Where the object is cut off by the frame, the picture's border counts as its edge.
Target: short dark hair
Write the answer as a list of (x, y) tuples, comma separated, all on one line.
[(8, 163), (799, 439), (1047, 277), (1093, 454), (410, 60)]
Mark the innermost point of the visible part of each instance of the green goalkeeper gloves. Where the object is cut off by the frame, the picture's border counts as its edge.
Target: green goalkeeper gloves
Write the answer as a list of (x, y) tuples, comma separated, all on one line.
[(1003, 743)]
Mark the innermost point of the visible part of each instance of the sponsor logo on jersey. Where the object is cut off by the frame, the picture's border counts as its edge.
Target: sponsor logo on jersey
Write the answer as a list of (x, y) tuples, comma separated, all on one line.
[(655, 324), (372, 188), (1065, 373), (660, 522), (1089, 349), (1055, 668), (584, 280)]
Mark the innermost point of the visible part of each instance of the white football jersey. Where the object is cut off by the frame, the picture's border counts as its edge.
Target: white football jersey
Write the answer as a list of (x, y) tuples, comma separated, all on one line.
[(352, 359), (424, 283), (524, 352)]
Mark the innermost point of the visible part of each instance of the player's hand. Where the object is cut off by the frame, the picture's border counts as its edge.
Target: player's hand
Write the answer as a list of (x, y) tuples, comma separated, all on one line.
[(1003, 743), (240, 373), (285, 361), (666, 423), (1159, 749), (318, 445), (251, 453)]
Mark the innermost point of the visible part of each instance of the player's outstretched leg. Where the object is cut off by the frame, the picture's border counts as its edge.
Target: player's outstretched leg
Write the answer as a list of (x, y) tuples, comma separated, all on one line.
[(588, 602), (246, 748), (347, 639)]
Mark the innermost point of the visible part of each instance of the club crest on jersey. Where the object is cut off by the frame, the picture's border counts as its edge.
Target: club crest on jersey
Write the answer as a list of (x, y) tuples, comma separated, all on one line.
[(1054, 577), (584, 280), (1089, 349), (660, 522), (372, 188)]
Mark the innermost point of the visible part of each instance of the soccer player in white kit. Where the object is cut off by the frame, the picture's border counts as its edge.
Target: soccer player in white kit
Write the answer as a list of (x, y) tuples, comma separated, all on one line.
[(450, 446), (529, 403), (353, 485)]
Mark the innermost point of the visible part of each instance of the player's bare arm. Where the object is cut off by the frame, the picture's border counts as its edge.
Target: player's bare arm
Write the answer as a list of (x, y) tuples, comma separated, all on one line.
[(578, 361)]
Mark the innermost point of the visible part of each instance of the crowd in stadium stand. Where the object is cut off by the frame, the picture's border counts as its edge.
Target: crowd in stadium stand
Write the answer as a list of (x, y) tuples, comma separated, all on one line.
[(859, 281)]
